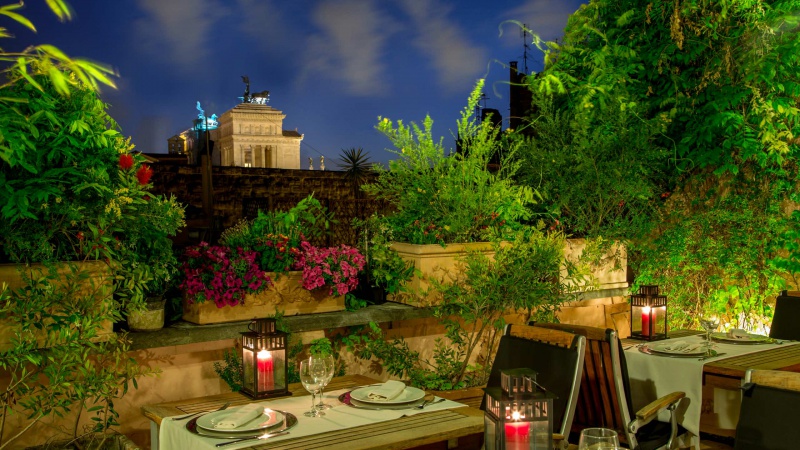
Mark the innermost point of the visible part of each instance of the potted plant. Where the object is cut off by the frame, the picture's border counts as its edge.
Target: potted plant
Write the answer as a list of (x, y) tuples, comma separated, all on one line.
[(71, 196), (523, 277), (445, 203), (268, 263), (385, 272)]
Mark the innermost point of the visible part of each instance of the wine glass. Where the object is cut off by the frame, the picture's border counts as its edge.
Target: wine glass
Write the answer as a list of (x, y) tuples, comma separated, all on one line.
[(311, 375), (330, 368), (709, 323), (598, 439)]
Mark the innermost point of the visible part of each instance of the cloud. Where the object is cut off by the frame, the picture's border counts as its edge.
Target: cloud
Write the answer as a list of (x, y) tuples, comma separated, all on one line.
[(457, 63), (177, 31), (349, 45), (266, 22), (544, 17)]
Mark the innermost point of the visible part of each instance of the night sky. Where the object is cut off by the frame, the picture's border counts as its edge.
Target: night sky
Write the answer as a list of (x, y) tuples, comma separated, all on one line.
[(332, 66)]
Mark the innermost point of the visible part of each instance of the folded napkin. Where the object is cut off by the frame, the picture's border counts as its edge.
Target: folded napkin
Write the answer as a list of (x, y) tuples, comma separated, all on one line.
[(386, 391), (738, 333), (240, 416)]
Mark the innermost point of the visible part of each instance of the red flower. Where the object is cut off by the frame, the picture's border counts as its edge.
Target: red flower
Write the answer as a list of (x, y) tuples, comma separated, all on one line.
[(143, 174), (125, 161)]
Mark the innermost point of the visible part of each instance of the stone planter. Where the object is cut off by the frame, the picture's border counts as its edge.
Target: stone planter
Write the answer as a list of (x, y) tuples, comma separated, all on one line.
[(149, 319), (287, 295), (98, 283), (432, 261)]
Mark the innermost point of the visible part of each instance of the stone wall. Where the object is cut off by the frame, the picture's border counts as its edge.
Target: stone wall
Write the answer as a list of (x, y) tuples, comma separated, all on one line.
[(239, 192)]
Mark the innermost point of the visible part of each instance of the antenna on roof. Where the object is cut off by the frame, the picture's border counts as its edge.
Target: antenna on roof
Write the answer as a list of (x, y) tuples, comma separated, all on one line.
[(526, 47)]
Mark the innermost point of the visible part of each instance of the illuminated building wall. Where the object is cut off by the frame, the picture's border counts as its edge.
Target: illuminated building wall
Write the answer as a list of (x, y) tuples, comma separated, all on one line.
[(252, 135)]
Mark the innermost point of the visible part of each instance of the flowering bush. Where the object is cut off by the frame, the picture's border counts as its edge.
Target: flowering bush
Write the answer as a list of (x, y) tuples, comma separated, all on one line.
[(336, 267), (221, 274)]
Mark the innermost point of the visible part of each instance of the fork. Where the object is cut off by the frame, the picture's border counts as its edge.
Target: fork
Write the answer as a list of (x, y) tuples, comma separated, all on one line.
[(424, 404), (201, 412)]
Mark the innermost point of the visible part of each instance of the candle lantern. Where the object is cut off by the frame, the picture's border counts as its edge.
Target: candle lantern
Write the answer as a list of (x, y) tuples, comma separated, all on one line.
[(264, 370), (648, 314), (518, 413)]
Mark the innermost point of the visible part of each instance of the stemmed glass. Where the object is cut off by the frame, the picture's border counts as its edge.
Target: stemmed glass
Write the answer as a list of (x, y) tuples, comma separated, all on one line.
[(330, 368), (598, 439), (311, 375), (709, 323)]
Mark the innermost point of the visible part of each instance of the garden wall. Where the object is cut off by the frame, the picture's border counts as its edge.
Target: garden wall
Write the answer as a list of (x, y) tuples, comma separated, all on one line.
[(239, 192)]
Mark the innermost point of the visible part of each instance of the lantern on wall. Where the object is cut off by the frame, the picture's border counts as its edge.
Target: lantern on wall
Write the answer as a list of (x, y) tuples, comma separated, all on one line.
[(518, 413), (648, 314), (264, 370)]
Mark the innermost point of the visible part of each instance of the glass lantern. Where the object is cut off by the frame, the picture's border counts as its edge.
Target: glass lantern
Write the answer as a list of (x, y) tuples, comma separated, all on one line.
[(264, 370), (648, 314), (518, 413)]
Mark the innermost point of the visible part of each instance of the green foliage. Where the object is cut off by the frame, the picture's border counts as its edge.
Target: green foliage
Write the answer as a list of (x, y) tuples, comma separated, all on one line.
[(524, 275), (598, 180), (321, 347), (384, 268), (715, 84), (230, 370), (63, 72), (276, 235), (438, 198), (56, 365), (721, 253)]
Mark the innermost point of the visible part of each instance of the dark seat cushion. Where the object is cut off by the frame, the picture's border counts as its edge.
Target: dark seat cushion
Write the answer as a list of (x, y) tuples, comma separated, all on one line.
[(555, 367), (768, 419)]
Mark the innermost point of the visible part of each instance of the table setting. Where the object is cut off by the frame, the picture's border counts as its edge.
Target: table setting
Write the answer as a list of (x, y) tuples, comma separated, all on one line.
[(660, 367), (284, 418)]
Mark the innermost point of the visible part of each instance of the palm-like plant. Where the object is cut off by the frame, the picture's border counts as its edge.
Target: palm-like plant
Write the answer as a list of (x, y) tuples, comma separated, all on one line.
[(356, 165)]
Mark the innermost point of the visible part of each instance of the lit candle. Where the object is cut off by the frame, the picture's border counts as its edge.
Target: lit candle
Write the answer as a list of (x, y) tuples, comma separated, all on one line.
[(646, 321), (266, 380), (517, 434)]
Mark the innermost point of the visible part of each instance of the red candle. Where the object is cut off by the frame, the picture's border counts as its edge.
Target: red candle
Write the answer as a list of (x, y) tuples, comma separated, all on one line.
[(517, 433), (266, 379), (517, 437), (646, 321)]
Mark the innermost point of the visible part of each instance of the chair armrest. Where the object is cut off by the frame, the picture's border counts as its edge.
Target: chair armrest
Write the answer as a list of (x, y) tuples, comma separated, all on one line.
[(559, 442), (650, 411)]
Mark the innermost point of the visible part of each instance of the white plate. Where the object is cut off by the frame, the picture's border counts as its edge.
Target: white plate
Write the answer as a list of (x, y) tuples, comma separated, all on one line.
[(409, 395), (750, 338), (262, 422), (670, 349)]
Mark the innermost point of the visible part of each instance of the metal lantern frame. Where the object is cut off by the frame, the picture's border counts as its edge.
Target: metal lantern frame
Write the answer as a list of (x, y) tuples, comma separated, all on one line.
[(519, 413), (264, 369), (648, 314)]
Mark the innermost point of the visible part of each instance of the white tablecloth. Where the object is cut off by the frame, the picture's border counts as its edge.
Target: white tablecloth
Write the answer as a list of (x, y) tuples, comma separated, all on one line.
[(652, 376), (173, 435)]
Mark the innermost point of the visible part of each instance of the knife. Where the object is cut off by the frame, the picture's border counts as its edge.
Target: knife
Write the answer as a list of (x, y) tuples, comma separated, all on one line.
[(250, 438)]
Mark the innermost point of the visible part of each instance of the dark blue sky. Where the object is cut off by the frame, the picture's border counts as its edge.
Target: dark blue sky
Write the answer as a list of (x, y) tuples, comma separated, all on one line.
[(332, 66)]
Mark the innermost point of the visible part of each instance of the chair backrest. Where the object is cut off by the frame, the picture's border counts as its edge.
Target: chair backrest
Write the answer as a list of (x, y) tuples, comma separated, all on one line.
[(556, 356), (604, 399), (769, 411), (786, 317)]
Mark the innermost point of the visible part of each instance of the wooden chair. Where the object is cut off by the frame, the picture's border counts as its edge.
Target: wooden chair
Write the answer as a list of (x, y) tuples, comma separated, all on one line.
[(786, 316), (556, 356), (769, 412), (605, 400)]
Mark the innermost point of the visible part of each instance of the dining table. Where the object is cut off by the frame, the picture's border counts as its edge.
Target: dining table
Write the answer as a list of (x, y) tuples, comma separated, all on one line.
[(444, 424), (711, 383)]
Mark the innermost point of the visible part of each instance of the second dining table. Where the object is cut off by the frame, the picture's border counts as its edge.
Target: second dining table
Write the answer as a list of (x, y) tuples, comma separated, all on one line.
[(343, 427), (653, 374)]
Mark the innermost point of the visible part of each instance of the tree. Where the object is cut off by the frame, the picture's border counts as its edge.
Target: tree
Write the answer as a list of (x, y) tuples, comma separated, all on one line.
[(718, 83)]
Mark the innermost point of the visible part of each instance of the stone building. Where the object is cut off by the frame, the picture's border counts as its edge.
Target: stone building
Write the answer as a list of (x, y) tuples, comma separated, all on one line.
[(252, 135)]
